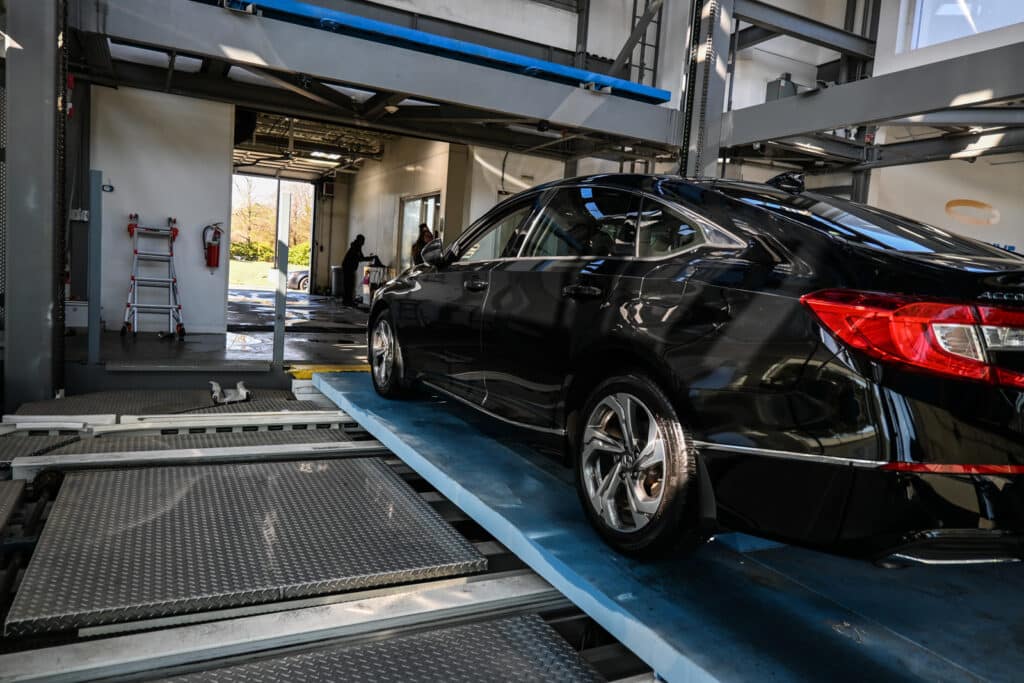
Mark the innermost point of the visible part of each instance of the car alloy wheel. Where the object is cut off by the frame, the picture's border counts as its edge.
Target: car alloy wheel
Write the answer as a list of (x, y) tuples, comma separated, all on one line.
[(383, 348), (623, 461)]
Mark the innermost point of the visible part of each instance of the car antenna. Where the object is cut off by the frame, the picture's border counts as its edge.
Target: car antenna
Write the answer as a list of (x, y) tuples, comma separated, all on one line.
[(791, 181)]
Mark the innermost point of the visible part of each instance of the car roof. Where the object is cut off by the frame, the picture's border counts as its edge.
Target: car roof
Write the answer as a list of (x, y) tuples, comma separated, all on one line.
[(641, 181)]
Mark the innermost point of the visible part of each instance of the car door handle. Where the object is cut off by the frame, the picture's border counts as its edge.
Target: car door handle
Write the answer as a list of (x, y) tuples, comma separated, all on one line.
[(475, 285), (582, 292)]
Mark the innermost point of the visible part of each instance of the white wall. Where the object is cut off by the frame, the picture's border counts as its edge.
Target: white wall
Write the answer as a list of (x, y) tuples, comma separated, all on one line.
[(921, 191), (165, 156), (521, 173), (409, 167)]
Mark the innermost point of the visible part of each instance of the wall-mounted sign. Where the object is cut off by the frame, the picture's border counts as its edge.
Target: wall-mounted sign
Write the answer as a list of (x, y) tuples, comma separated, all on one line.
[(972, 212)]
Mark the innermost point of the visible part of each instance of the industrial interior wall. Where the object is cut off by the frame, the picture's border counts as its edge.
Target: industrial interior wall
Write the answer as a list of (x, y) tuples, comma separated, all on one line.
[(980, 199), (332, 215), (757, 66), (408, 168), (164, 155), (488, 185)]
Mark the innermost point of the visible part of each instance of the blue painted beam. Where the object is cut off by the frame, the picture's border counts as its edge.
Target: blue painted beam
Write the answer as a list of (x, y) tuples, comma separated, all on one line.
[(738, 609), (371, 29)]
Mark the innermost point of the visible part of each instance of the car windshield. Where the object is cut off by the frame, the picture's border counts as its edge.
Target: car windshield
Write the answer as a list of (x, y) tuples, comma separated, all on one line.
[(861, 224)]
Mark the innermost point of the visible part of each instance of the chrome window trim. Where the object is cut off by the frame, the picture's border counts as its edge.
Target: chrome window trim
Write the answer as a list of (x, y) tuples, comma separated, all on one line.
[(790, 455), (485, 411), (687, 213), (487, 221)]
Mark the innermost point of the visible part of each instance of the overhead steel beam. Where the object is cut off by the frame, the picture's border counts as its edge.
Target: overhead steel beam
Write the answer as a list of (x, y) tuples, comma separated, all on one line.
[(962, 146), (202, 30), (96, 50), (284, 103), (308, 88), (973, 79), (31, 354), (449, 114), (217, 68), (277, 144), (966, 116), (377, 106), (823, 146), (634, 37), (754, 35), (807, 30)]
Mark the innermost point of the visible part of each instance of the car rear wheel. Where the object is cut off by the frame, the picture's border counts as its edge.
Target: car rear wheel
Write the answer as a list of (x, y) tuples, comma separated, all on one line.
[(636, 468), (385, 354), (304, 284)]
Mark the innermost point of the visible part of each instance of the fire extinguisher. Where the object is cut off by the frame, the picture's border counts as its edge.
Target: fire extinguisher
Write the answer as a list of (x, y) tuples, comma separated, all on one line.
[(211, 244)]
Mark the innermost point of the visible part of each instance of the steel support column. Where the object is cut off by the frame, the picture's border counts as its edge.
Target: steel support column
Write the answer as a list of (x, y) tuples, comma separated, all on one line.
[(284, 222), (94, 267), (30, 355), (706, 88)]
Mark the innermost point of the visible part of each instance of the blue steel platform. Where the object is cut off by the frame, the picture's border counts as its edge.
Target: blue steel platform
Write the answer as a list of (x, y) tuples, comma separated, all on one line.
[(739, 608)]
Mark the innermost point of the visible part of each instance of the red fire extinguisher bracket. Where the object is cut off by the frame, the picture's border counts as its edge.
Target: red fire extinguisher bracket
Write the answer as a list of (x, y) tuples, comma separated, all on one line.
[(211, 244)]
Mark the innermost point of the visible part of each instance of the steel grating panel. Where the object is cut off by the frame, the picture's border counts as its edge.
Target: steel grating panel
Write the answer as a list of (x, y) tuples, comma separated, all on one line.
[(167, 442), (19, 446), (261, 405), (522, 648), (140, 402), (10, 494), (140, 543)]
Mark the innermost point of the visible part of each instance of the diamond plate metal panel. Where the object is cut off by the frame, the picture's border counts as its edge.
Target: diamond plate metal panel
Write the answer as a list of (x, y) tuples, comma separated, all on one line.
[(140, 543), (143, 402), (122, 443), (259, 405), (10, 494), (520, 648), (12, 447)]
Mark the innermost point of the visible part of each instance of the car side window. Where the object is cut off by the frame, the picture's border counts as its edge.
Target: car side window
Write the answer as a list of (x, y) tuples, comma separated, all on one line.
[(586, 221), (663, 231), (502, 238)]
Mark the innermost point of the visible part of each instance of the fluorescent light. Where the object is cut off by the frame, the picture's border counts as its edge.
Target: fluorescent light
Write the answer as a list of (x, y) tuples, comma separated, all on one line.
[(325, 155)]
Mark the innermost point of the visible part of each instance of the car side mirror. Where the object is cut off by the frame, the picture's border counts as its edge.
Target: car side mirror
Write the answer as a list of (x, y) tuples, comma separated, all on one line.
[(433, 253)]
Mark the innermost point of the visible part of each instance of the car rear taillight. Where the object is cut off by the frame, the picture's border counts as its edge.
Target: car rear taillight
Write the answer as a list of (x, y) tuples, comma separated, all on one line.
[(951, 339)]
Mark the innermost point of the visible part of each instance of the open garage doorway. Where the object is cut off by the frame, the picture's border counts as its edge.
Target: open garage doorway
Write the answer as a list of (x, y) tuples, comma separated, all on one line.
[(254, 220)]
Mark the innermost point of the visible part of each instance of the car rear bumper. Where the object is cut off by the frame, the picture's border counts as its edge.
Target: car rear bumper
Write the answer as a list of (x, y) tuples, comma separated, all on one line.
[(958, 546)]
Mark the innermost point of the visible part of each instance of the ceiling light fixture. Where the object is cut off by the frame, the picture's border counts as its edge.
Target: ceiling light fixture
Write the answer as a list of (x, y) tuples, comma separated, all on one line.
[(325, 155)]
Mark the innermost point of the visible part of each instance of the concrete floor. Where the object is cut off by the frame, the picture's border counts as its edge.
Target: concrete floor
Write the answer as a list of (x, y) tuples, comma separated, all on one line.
[(252, 310), (319, 330)]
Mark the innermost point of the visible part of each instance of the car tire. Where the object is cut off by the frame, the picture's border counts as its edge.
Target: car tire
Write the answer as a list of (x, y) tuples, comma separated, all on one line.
[(387, 368), (304, 284), (642, 501)]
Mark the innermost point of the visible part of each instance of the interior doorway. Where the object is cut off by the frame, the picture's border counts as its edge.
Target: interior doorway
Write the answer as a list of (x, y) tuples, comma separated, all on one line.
[(416, 211)]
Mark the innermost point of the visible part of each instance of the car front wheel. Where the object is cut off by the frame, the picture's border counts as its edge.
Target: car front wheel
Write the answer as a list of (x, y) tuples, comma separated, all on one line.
[(636, 468), (385, 353)]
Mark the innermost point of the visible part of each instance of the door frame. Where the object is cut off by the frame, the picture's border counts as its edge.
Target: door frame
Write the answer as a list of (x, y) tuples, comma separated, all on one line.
[(400, 214)]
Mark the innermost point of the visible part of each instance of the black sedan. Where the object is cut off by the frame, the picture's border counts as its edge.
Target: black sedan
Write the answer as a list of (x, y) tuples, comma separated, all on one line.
[(727, 354), (298, 279)]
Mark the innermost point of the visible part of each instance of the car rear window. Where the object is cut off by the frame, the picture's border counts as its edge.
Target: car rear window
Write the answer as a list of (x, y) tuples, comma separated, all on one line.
[(861, 224)]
